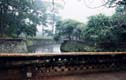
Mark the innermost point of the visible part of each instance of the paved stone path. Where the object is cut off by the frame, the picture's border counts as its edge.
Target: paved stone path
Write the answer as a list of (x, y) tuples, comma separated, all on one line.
[(93, 76)]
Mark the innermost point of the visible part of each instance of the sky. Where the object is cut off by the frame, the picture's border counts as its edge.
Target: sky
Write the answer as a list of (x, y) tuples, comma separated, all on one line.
[(78, 10)]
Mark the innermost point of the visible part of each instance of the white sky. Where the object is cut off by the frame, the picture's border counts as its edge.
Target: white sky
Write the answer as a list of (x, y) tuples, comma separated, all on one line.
[(76, 9)]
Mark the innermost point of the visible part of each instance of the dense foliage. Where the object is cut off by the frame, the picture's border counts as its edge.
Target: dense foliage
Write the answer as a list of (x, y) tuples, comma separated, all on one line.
[(21, 16), (69, 29)]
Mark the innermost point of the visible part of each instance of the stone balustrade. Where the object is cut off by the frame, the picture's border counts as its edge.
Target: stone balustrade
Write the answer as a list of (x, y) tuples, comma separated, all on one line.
[(36, 66)]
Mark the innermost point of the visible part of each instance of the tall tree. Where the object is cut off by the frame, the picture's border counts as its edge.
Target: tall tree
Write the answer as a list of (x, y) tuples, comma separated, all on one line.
[(21, 16), (98, 29), (68, 29)]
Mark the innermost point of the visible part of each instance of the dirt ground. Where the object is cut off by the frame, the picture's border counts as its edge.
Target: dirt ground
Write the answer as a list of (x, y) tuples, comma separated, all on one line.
[(92, 76)]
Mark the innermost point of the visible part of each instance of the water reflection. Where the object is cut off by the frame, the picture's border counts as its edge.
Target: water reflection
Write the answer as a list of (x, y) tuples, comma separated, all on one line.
[(45, 48)]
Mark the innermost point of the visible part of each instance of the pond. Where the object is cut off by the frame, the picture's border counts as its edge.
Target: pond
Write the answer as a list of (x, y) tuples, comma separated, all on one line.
[(54, 48)]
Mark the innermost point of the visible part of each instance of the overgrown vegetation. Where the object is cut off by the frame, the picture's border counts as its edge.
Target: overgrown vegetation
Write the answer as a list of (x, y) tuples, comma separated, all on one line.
[(69, 29), (22, 16), (100, 29)]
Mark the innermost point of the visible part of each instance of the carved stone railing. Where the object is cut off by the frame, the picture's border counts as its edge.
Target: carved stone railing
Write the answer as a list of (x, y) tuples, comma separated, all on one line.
[(35, 66)]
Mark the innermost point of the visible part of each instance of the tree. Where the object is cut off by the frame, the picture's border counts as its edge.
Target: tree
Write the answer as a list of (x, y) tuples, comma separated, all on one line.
[(113, 3), (68, 29), (21, 16), (98, 29), (51, 15)]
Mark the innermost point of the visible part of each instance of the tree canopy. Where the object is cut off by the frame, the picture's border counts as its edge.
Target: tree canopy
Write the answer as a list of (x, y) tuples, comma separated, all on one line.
[(21, 16), (69, 29)]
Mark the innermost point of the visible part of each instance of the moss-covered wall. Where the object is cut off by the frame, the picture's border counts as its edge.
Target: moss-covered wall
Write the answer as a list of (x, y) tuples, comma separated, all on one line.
[(81, 46), (12, 46), (77, 46)]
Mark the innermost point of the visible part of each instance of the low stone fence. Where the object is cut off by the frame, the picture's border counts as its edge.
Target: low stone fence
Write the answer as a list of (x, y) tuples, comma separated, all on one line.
[(37, 66)]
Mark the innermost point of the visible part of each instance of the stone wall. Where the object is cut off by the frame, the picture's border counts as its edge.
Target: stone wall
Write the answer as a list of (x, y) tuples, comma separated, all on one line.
[(12, 46), (39, 42)]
